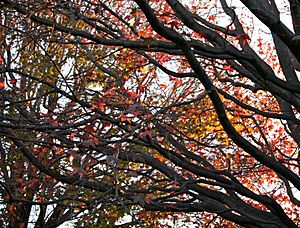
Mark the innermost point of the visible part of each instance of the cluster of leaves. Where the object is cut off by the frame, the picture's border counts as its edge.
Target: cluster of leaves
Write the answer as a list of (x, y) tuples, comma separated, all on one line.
[(149, 113)]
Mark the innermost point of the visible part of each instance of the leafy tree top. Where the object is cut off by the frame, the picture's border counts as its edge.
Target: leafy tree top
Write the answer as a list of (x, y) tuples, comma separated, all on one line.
[(167, 112)]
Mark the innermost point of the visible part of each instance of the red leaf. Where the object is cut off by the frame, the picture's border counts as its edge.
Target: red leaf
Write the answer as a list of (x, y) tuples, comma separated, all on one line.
[(2, 85), (72, 135), (54, 123), (13, 81), (243, 38), (145, 133), (141, 88), (106, 124), (80, 171), (121, 89), (101, 106), (124, 118), (229, 68), (89, 128), (133, 95), (45, 115), (211, 17), (91, 75)]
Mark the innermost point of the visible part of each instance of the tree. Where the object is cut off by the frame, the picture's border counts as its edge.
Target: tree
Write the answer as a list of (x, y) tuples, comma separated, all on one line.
[(165, 111)]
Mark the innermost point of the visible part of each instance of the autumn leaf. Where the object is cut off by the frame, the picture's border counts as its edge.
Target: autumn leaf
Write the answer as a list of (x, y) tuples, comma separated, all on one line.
[(211, 17), (12, 81), (244, 38), (124, 118), (145, 134), (133, 95), (152, 109), (228, 68), (2, 85)]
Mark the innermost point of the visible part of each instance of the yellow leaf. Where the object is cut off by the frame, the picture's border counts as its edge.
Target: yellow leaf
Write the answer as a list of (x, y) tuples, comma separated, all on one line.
[(227, 142), (239, 127), (144, 69), (251, 130)]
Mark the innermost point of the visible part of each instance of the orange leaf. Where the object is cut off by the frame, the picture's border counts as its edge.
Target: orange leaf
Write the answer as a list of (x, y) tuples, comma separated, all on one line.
[(2, 85)]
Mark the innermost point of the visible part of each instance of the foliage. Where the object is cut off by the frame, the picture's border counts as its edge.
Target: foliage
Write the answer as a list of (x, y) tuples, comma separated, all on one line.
[(149, 113)]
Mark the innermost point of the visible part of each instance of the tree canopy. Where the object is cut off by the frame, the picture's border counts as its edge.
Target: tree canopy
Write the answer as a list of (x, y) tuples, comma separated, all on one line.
[(118, 113)]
